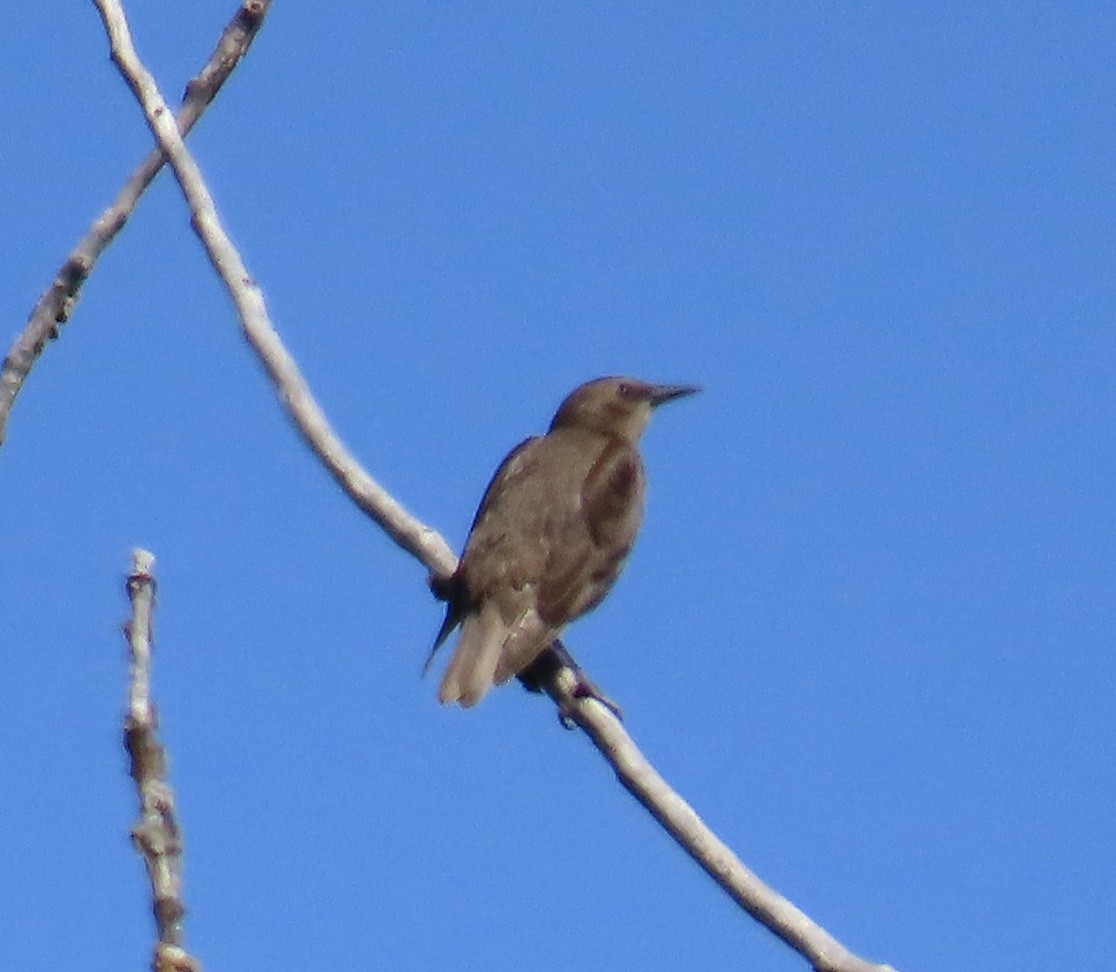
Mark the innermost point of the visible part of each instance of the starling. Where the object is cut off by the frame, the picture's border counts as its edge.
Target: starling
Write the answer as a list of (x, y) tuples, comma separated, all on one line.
[(550, 536)]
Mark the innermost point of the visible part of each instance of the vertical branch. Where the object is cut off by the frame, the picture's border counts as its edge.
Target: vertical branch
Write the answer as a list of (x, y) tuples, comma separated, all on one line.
[(156, 834)]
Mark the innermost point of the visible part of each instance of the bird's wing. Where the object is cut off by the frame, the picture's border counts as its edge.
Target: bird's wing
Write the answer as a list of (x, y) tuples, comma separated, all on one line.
[(505, 548), (494, 583), (458, 600), (509, 478)]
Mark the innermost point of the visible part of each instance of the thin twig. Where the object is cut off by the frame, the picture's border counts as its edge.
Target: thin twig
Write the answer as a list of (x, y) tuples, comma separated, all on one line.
[(57, 302), (157, 836), (823, 952)]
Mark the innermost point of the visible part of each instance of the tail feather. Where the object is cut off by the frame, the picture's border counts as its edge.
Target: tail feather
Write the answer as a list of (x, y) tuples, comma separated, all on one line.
[(470, 672), (523, 644)]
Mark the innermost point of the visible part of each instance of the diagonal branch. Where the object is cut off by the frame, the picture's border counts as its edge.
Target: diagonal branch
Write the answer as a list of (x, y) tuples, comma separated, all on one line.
[(634, 771), (57, 302), (412, 535)]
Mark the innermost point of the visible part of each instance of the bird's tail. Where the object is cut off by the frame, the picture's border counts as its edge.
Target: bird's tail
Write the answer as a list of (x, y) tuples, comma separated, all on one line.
[(473, 666)]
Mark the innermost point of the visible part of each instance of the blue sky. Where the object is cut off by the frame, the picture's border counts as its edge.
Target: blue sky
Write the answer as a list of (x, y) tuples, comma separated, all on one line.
[(868, 629)]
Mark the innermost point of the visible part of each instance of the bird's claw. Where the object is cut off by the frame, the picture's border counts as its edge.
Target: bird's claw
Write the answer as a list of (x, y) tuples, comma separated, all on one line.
[(556, 657), (586, 688)]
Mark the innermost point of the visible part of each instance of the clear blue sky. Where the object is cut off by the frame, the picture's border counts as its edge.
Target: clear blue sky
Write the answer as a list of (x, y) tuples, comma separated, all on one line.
[(868, 630)]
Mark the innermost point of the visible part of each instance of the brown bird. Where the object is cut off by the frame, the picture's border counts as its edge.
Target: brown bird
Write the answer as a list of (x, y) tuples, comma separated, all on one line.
[(550, 536)]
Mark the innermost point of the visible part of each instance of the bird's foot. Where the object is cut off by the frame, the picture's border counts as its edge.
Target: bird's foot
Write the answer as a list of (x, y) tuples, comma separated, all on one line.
[(557, 657), (586, 688)]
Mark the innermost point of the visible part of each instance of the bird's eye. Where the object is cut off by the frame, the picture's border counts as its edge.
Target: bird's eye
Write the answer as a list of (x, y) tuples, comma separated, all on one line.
[(626, 389)]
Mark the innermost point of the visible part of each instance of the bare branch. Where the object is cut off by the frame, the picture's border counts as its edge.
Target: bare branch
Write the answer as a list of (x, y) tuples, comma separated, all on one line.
[(294, 394), (680, 820), (156, 835), (57, 302), (562, 682)]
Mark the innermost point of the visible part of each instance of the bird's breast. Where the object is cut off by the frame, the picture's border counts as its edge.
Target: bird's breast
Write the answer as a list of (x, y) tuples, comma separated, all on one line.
[(613, 497)]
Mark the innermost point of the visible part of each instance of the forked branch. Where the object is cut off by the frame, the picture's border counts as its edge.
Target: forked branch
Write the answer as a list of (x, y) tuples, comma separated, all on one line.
[(57, 302)]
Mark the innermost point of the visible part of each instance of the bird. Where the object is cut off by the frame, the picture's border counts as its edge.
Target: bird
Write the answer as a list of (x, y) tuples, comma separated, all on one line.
[(551, 535)]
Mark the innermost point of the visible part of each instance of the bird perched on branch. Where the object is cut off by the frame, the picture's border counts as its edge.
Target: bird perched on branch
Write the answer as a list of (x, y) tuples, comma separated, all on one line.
[(550, 536)]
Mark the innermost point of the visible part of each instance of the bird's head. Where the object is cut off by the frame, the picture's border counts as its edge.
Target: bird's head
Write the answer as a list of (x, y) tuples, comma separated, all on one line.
[(616, 407)]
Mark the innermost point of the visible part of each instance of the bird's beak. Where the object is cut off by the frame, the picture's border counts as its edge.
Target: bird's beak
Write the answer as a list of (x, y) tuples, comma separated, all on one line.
[(665, 393)]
